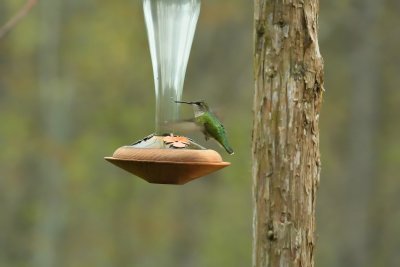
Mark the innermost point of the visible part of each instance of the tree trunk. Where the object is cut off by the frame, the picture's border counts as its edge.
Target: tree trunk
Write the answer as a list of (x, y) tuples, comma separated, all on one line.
[(288, 92), (55, 101)]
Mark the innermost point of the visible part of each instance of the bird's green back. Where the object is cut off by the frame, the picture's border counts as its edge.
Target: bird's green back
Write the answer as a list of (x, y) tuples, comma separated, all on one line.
[(214, 128)]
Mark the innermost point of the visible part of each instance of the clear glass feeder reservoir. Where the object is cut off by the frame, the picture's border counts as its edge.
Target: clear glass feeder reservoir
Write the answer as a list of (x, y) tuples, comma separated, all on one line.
[(171, 25), (163, 157)]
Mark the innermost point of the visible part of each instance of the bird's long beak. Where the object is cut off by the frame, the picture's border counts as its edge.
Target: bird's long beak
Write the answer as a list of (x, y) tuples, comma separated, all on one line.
[(184, 102)]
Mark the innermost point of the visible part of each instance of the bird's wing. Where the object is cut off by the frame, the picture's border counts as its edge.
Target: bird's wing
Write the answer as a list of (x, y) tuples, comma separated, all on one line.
[(186, 126)]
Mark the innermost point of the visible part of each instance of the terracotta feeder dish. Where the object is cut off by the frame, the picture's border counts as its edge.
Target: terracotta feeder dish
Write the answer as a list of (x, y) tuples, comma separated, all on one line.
[(165, 158)]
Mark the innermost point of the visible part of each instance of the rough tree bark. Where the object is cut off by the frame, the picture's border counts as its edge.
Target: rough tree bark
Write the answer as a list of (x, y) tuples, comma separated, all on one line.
[(288, 93)]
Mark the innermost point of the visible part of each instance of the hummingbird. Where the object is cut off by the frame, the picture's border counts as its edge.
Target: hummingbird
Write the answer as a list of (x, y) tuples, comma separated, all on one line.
[(210, 125)]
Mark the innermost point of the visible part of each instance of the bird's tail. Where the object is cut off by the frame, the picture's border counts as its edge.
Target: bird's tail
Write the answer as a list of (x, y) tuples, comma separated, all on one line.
[(228, 148)]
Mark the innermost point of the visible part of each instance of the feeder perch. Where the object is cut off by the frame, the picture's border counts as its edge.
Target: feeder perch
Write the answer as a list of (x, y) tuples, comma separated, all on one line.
[(164, 157)]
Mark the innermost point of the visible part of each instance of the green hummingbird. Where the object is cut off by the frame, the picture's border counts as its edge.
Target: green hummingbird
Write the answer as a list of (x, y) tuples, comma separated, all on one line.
[(210, 125)]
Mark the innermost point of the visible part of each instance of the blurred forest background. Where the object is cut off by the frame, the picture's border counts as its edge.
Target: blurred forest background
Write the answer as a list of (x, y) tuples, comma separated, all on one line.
[(76, 83)]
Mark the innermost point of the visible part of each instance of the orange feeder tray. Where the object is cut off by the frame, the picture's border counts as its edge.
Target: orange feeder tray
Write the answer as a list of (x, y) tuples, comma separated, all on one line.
[(167, 160)]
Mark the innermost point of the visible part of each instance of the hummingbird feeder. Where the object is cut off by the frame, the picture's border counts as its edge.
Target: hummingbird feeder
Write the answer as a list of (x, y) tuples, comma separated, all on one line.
[(164, 157)]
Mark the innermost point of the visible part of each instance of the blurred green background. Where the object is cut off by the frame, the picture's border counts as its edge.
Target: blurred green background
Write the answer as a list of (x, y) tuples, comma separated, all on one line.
[(76, 83)]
